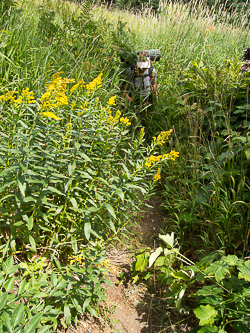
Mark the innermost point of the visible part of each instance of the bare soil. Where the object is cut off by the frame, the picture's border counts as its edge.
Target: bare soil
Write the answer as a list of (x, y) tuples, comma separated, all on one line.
[(132, 307)]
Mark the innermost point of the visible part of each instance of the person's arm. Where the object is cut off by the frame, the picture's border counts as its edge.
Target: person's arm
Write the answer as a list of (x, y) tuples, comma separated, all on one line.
[(154, 83)]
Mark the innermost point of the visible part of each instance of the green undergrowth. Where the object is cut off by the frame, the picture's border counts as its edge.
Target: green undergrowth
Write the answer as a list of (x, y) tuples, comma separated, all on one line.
[(77, 161)]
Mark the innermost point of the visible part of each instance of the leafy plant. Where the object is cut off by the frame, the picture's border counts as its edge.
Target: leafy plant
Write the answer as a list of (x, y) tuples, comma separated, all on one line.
[(219, 283)]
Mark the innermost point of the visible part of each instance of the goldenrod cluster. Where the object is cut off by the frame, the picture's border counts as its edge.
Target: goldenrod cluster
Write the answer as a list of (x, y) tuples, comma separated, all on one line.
[(125, 121), (111, 101), (154, 159), (96, 83), (50, 114), (26, 97), (55, 96), (157, 176), (77, 85), (9, 96), (162, 137)]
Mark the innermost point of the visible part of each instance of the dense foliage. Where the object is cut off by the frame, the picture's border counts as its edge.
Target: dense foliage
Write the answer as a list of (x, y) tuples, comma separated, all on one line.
[(76, 164)]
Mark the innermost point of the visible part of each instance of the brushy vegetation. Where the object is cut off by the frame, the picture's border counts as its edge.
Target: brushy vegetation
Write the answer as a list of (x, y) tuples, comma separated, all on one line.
[(75, 170)]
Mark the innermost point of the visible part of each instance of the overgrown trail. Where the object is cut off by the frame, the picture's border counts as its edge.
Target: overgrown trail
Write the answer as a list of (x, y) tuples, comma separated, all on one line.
[(134, 306)]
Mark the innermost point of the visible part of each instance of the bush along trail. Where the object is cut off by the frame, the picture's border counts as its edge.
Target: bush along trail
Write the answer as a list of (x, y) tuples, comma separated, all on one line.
[(71, 180), (78, 163)]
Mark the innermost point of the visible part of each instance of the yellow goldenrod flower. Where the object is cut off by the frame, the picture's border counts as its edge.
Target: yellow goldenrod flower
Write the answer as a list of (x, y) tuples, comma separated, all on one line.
[(50, 115), (162, 137), (111, 101), (125, 121), (157, 176), (96, 83)]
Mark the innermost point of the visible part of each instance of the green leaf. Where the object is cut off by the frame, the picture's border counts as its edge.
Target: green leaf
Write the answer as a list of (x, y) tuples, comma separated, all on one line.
[(3, 299), (87, 230), (86, 303), (206, 314), (33, 323), (53, 279), (71, 168), (154, 256), (92, 311), (9, 284), (76, 304), (168, 239), (120, 193), (220, 269), (244, 271), (67, 314), (74, 203), (110, 209), (21, 185), (21, 287), (209, 329), (44, 329), (74, 244), (7, 264), (32, 242), (54, 190), (84, 156), (17, 315)]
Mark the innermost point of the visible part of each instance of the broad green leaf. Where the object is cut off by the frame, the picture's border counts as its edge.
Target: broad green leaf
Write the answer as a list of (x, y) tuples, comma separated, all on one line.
[(30, 223), (55, 190), (9, 284), (120, 193), (33, 323), (244, 269), (53, 279), (87, 230), (140, 260), (71, 168), (21, 287), (168, 239), (7, 264), (86, 303), (92, 311), (206, 314), (32, 242), (44, 329), (76, 304), (74, 203), (154, 256), (22, 185), (67, 314), (8, 323), (3, 299), (110, 209), (74, 244), (219, 268), (84, 156), (230, 260), (17, 315), (209, 329)]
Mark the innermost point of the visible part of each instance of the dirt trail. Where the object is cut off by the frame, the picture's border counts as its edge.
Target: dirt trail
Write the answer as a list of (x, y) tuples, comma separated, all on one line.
[(135, 309)]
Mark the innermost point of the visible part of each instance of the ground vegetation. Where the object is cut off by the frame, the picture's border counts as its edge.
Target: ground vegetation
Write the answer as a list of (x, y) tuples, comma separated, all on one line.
[(78, 161)]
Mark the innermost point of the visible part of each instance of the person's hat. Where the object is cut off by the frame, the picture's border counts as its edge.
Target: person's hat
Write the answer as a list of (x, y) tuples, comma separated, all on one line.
[(144, 64)]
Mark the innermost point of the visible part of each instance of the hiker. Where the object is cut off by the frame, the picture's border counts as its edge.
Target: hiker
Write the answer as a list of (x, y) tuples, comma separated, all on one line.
[(142, 80), (245, 67)]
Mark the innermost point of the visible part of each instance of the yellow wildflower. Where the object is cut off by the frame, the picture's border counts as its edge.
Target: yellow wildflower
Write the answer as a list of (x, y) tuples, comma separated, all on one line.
[(50, 115), (157, 176), (111, 101), (162, 137), (96, 83), (125, 121)]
